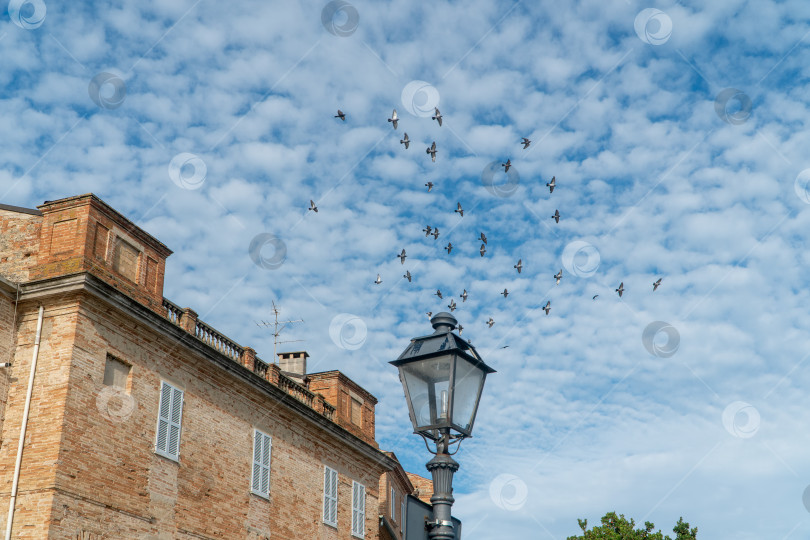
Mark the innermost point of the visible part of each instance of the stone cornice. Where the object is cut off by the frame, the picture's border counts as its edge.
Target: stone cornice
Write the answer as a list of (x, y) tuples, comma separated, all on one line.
[(89, 284)]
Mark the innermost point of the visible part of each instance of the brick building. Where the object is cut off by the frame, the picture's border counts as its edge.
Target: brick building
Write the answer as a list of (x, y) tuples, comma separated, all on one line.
[(145, 422)]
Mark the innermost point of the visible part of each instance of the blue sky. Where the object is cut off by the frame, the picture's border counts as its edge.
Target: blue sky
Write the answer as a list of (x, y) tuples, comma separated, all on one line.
[(676, 133)]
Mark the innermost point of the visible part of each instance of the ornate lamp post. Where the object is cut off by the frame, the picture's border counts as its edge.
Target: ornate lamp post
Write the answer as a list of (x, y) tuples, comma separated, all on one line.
[(443, 377)]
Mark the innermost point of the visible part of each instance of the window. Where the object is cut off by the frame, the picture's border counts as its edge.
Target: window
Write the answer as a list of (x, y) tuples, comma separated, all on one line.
[(357, 412), (358, 510), (330, 492), (116, 372), (170, 413), (260, 479), (393, 504), (402, 520)]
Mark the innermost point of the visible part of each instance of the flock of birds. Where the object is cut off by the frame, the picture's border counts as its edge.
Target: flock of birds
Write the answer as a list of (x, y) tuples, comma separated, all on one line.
[(434, 231)]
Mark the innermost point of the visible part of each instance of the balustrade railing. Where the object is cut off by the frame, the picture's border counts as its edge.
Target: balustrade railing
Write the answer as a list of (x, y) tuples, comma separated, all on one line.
[(218, 341), (173, 311)]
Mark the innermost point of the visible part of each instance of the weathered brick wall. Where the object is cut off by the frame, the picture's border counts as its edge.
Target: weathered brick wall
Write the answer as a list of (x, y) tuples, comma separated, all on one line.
[(19, 244), (423, 487), (338, 390), (108, 480), (40, 455), (6, 350)]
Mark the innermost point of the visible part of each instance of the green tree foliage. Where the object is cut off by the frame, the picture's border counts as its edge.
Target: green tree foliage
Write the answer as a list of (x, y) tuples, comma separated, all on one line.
[(618, 528)]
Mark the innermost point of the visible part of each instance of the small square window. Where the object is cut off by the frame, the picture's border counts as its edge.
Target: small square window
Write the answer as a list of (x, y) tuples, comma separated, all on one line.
[(357, 412), (116, 372)]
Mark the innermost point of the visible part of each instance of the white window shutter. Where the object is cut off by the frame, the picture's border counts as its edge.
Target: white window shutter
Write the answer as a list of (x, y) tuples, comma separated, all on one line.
[(170, 415), (402, 519), (330, 492), (358, 510), (260, 477)]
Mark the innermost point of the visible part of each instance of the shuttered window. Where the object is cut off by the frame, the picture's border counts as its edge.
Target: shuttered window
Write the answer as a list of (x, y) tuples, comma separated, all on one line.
[(358, 510), (330, 492), (402, 519), (260, 479), (170, 414), (393, 504)]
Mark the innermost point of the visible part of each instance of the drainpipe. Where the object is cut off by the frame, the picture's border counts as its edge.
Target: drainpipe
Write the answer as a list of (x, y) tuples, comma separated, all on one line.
[(11, 504)]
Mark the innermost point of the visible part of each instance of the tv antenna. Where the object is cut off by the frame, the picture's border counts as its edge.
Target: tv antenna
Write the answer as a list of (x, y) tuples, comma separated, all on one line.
[(278, 327)]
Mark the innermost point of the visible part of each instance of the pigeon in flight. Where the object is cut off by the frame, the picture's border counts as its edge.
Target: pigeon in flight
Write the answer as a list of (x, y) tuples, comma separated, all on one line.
[(449, 247), (437, 116), (519, 265), (620, 290), (312, 206), (436, 233), (558, 276), (464, 296), (429, 185), (432, 151), (556, 216), (657, 284), (547, 307), (340, 115), (483, 238), (490, 322), (595, 297), (407, 275), (551, 185), (438, 293), (402, 257), (525, 142), (460, 329), (506, 165), (427, 230), (482, 250), (429, 314), (459, 209), (378, 280), (394, 119), (406, 141), (452, 305), (505, 293)]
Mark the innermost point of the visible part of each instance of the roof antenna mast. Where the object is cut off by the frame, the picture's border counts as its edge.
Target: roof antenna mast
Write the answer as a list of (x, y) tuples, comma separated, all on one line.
[(278, 327)]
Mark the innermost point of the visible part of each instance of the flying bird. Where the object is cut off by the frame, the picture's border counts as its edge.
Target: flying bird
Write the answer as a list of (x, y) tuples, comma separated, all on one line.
[(464, 296), (460, 329), (657, 284), (452, 305), (449, 247), (459, 209), (525, 142), (551, 185), (378, 280), (490, 322), (429, 185), (407, 275), (558, 276), (483, 238), (312, 206), (437, 116), (505, 293), (556, 216), (519, 265), (547, 307), (340, 115), (429, 314), (427, 230), (436, 233), (438, 293), (394, 119), (482, 250), (406, 141), (506, 165), (432, 151), (595, 297), (620, 290), (402, 257)]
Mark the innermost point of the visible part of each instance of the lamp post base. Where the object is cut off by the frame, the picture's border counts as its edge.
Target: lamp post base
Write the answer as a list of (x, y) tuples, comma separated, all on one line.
[(442, 467)]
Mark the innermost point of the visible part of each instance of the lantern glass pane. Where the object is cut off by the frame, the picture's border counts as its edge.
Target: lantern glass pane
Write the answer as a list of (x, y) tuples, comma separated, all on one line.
[(428, 383), (469, 380)]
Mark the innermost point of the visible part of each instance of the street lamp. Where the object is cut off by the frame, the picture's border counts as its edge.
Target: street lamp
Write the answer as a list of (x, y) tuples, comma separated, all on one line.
[(443, 377)]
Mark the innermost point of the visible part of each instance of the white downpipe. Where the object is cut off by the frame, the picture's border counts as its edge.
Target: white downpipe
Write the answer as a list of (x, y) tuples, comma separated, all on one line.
[(18, 464)]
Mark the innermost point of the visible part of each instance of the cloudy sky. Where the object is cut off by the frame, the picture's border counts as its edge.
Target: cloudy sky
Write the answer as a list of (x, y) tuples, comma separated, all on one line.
[(677, 136)]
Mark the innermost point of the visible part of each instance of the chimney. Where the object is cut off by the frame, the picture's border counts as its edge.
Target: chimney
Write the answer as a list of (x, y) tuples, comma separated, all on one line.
[(293, 364)]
